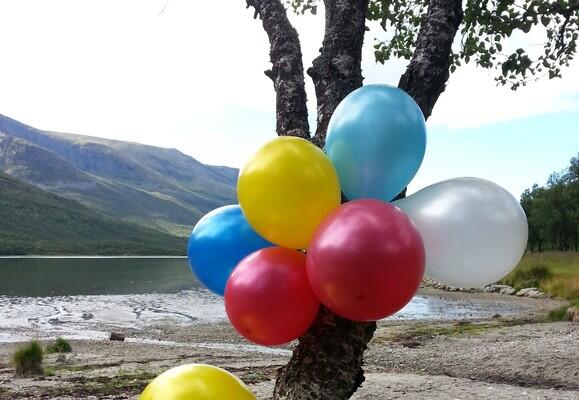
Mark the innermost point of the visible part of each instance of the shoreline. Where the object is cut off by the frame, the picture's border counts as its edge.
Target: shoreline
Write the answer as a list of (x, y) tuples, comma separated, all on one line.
[(501, 357), (82, 257)]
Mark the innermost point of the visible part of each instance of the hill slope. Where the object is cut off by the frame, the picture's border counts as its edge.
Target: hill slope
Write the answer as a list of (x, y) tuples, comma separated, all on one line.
[(151, 186), (33, 221)]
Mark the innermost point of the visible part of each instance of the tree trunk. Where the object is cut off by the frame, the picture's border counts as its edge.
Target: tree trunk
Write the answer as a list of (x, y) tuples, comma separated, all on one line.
[(287, 72), (327, 362), (426, 76)]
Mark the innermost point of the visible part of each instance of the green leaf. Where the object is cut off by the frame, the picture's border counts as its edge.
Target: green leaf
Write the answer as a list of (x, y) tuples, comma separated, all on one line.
[(545, 20)]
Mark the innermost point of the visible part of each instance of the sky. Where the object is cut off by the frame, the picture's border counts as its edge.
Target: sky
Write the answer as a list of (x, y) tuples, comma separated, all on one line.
[(189, 75)]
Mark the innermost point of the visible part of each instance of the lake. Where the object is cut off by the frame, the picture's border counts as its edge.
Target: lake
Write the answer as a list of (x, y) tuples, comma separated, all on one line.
[(87, 297)]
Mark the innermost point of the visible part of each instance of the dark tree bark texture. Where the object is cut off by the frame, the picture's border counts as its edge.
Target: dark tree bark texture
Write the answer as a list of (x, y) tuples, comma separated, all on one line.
[(327, 362), (337, 71), (287, 72), (426, 76)]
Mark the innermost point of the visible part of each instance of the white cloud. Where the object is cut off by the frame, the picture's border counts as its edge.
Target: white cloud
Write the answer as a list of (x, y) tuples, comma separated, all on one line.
[(472, 98), (151, 70)]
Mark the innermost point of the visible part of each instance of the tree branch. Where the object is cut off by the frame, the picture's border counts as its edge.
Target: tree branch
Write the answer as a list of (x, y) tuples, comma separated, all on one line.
[(426, 76), (337, 70), (287, 72)]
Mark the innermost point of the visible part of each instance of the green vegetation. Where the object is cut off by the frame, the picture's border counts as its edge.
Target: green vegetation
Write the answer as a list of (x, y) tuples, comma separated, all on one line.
[(35, 221), (59, 346), (28, 359), (553, 211), (555, 273), (158, 188), (558, 314)]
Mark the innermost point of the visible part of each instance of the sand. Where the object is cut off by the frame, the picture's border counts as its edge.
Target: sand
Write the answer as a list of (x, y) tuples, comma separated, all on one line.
[(514, 357)]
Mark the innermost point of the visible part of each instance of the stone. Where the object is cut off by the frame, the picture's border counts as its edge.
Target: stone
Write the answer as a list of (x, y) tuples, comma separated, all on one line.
[(502, 289), (119, 337), (573, 314), (531, 292)]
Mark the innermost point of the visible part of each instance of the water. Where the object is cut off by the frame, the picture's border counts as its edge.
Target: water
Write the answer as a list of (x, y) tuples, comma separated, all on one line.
[(86, 298)]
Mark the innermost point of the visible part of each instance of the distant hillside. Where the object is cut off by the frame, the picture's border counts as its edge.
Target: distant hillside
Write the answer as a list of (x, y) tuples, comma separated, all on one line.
[(33, 221), (155, 187)]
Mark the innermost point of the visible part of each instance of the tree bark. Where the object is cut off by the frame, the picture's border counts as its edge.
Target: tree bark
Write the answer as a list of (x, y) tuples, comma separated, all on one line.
[(426, 75), (327, 362), (337, 71), (287, 72)]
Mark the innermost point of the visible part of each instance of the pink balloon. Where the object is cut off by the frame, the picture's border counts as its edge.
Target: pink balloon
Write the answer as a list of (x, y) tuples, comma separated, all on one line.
[(268, 297), (366, 260)]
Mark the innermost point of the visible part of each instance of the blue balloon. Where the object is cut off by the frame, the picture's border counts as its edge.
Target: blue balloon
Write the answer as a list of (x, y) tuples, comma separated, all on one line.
[(219, 241), (376, 139)]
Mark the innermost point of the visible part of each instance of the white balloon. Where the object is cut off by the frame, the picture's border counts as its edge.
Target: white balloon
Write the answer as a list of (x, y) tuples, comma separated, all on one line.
[(474, 231)]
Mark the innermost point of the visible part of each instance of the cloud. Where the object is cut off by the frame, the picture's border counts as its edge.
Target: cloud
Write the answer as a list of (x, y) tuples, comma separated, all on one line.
[(188, 74)]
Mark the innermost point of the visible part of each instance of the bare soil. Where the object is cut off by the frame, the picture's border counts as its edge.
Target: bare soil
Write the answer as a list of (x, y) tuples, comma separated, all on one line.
[(500, 358)]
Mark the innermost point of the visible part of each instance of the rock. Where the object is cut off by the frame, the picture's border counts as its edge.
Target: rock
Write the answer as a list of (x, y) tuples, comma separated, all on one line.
[(573, 314), (497, 316), (531, 292), (502, 289), (119, 337), (509, 291)]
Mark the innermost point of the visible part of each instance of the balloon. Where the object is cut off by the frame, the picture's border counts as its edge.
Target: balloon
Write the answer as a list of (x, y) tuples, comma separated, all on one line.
[(219, 241), (286, 189), (376, 139), (366, 260), (474, 231), (268, 298), (196, 381)]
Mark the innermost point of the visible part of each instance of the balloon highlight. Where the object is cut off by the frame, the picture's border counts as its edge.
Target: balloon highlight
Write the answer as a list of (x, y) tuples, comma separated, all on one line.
[(196, 381), (286, 189), (376, 140), (219, 241), (268, 298), (366, 260), (474, 231)]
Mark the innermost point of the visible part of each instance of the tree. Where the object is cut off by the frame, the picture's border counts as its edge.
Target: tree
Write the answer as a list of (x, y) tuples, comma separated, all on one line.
[(327, 363), (553, 211)]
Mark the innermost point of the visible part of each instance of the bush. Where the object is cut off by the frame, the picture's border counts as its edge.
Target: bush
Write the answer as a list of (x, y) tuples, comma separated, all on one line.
[(59, 346), (529, 277), (28, 359), (558, 314)]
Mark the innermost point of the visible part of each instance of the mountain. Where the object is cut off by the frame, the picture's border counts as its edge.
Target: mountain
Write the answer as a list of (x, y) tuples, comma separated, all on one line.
[(159, 188), (34, 221)]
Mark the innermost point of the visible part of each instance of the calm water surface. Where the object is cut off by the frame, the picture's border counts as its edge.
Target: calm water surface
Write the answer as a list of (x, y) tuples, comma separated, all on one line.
[(88, 297)]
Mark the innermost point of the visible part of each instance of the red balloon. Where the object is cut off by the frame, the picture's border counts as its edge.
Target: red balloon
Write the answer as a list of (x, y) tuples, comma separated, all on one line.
[(268, 297), (366, 260)]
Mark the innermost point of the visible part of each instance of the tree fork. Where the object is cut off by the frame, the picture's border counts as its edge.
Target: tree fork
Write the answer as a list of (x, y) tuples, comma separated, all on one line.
[(327, 363)]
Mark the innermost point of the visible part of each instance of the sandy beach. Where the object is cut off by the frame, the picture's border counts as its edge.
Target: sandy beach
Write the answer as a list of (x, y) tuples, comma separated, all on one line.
[(503, 357)]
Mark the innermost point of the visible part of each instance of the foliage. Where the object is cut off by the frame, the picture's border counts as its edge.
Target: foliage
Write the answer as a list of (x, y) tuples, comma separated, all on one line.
[(28, 359), (553, 211), (555, 273), (557, 314), (486, 26), (59, 346), (529, 277), (38, 222)]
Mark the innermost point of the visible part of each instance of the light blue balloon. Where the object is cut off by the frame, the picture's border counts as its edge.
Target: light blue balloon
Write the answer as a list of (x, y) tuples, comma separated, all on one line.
[(376, 140), (219, 241)]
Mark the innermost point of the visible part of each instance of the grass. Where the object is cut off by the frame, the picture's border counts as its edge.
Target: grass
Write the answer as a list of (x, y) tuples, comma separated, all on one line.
[(59, 346), (555, 273), (28, 359)]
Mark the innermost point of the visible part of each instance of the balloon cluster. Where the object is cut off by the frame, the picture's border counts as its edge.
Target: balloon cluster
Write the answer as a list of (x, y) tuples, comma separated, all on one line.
[(291, 245)]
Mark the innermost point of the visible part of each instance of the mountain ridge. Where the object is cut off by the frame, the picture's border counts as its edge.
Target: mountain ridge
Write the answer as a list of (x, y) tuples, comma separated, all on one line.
[(160, 188)]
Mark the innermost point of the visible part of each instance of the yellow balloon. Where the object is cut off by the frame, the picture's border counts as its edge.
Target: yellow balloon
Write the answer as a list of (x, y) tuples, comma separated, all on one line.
[(196, 382), (285, 190)]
